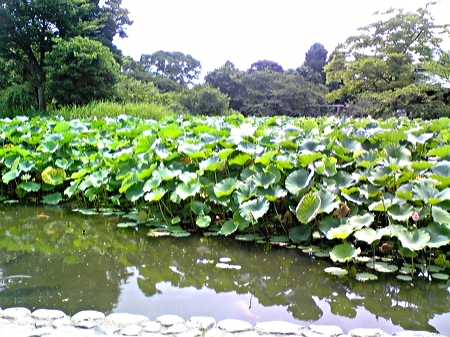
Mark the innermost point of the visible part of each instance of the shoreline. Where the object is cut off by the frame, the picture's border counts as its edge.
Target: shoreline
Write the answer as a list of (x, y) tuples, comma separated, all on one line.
[(22, 322)]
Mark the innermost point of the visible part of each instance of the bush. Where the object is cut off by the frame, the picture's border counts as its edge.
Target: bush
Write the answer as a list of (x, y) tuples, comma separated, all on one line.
[(204, 100), (17, 100)]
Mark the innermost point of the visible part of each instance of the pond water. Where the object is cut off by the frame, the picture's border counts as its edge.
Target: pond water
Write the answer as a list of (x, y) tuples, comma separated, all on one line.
[(52, 257)]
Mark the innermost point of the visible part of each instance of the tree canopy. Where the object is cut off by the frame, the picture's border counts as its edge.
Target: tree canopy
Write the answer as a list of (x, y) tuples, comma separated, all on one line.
[(176, 66), (380, 65), (28, 30)]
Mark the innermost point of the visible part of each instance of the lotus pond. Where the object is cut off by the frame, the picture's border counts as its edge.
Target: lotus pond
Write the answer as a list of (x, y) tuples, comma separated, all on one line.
[(54, 257)]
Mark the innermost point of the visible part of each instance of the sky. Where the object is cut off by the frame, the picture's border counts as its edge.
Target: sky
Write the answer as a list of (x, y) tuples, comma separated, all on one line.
[(246, 31)]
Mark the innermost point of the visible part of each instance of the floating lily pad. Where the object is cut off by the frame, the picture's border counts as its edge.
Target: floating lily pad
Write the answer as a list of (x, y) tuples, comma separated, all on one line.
[(440, 276), (382, 267), (249, 237), (433, 268), (126, 224), (404, 278), (181, 234), (406, 270), (363, 277), (363, 259), (336, 271), (322, 253), (224, 259)]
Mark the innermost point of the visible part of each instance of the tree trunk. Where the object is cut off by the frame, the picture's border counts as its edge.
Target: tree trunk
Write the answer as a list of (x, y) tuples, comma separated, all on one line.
[(41, 97)]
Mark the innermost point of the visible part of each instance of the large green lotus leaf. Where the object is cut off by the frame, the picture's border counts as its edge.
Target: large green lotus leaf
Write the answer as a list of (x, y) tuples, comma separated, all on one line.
[(308, 208), (367, 159), (185, 191), (343, 179), (328, 201), (200, 208), (370, 235), (341, 232), (380, 176), (272, 193), (307, 158), (194, 151), (300, 234), (52, 199), (171, 131), (344, 252), (26, 165), (152, 183), (29, 186), (441, 152), (254, 209), (330, 222), (264, 179), (10, 175), (225, 187), (421, 139), (212, 164), (135, 192), (416, 239), (369, 191), (155, 195), (440, 215), (439, 234), (392, 136), (423, 192), (229, 227), (401, 212), (53, 176), (405, 192), (327, 166), (380, 206), (49, 146), (297, 181), (203, 221), (166, 173), (144, 144), (225, 153), (351, 145), (240, 159), (310, 145), (360, 221), (421, 165), (266, 157)]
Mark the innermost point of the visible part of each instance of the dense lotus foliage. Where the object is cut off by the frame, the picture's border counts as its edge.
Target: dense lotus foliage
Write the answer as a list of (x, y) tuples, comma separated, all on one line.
[(356, 183)]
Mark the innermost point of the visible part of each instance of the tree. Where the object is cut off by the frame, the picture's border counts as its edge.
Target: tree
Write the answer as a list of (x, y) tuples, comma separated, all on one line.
[(315, 60), (176, 66), (269, 93), (227, 79), (204, 100), (81, 70), (265, 65), (379, 65), (28, 30)]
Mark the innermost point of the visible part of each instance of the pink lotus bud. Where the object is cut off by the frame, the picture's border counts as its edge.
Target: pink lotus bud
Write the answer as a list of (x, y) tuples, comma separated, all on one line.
[(415, 216)]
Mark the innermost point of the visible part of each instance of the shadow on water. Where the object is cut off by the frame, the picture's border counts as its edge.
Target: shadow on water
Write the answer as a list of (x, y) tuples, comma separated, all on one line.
[(51, 257)]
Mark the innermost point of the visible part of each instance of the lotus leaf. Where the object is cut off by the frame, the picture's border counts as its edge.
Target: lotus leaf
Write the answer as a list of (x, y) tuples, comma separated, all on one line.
[(300, 234), (370, 235), (401, 212), (308, 208), (336, 271), (254, 209), (225, 187), (229, 227), (439, 234), (298, 181), (344, 252), (53, 176), (52, 199), (416, 239)]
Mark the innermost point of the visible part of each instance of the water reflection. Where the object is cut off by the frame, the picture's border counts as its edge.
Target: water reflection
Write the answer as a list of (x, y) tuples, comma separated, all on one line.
[(73, 262)]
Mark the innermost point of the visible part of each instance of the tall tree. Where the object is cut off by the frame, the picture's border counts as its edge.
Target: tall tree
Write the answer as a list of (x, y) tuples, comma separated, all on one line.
[(176, 66), (28, 29), (227, 79), (315, 60), (86, 71), (265, 65), (379, 64)]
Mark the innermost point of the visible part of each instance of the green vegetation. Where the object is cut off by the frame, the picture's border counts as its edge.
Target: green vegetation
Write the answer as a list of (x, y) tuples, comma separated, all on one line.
[(360, 184)]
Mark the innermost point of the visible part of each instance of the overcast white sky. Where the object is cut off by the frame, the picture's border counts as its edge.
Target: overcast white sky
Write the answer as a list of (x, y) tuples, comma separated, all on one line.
[(246, 31)]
